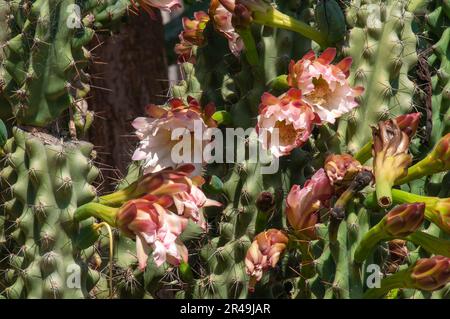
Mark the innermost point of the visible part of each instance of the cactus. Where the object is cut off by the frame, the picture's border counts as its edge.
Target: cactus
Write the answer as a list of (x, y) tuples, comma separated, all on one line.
[(44, 55), (383, 47), (318, 227), (45, 177)]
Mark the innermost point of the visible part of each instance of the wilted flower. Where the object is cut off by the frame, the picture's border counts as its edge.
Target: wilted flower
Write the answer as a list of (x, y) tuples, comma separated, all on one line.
[(290, 116), (264, 253), (155, 227), (324, 86), (341, 168), (404, 219), (192, 35), (397, 254), (155, 146), (431, 273), (303, 204), (391, 158), (165, 5), (222, 19)]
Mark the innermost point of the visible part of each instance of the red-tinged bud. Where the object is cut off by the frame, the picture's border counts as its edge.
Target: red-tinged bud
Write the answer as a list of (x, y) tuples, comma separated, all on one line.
[(404, 219), (264, 253), (431, 273), (408, 123), (303, 204), (441, 153), (438, 160)]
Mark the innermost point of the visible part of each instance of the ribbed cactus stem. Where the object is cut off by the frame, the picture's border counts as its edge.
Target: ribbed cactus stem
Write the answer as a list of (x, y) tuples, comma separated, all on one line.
[(277, 19)]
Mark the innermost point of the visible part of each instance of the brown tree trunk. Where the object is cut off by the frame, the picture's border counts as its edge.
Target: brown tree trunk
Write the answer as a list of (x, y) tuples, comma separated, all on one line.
[(130, 72)]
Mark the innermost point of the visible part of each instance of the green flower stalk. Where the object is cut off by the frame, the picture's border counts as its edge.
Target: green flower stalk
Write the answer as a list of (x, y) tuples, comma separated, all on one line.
[(92, 209), (265, 14), (400, 222), (427, 274), (337, 214), (437, 210), (438, 160), (391, 158)]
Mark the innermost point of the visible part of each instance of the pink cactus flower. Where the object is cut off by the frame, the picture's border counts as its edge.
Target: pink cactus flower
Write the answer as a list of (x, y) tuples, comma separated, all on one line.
[(221, 17), (264, 253), (188, 200), (303, 204), (324, 85), (165, 5), (291, 116), (155, 146), (154, 227)]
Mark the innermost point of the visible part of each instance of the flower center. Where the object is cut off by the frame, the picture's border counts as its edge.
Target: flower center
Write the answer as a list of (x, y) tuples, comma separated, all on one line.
[(321, 91), (286, 132)]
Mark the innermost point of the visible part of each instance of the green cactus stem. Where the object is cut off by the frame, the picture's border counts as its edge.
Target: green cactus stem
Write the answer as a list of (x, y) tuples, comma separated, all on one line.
[(436, 209), (276, 19)]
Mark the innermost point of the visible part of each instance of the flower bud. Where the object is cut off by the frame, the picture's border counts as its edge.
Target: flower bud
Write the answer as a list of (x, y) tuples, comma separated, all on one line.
[(408, 123), (264, 253), (303, 204), (431, 273), (265, 202), (404, 219), (441, 153), (242, 16)]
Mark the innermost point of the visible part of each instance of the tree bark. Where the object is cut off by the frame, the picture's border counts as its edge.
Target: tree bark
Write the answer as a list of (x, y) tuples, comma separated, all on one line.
[(130, 73)]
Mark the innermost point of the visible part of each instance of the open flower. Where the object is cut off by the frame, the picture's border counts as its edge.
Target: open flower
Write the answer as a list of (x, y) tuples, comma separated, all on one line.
[(192, 35), (324, 85), (155, 133), (154, 227), (303, 204), (292, 119), (165, 5), (264, 253), (222, 19)]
